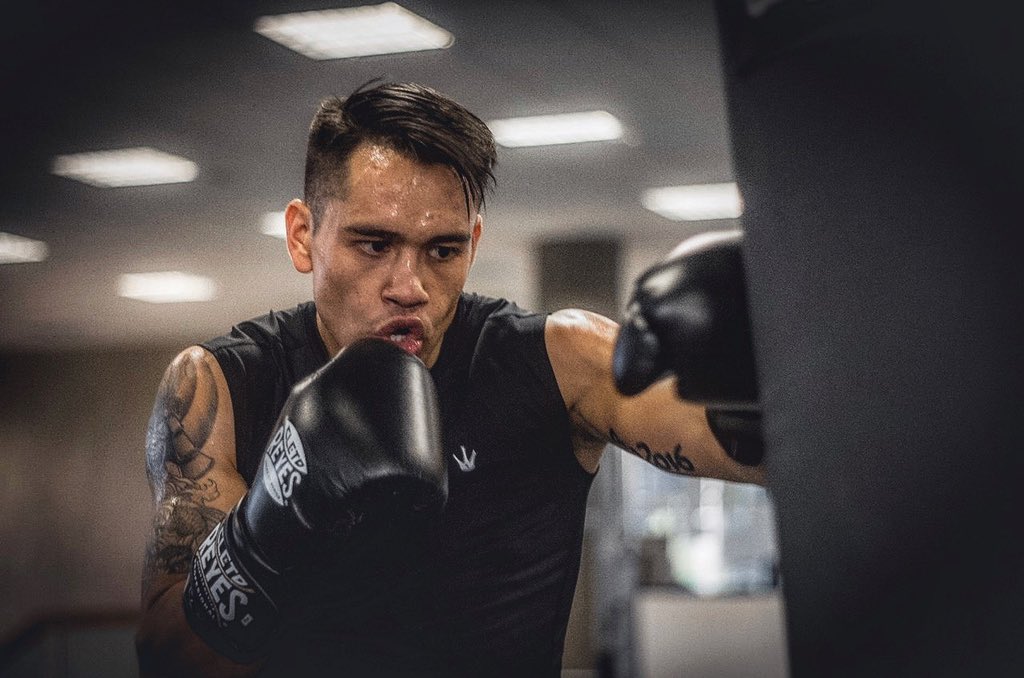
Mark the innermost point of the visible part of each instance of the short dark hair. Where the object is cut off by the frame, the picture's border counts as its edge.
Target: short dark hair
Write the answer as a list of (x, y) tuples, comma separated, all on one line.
[(409, 118)]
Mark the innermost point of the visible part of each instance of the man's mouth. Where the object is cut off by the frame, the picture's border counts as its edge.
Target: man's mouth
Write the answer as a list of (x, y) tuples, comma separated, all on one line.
[(406, 333)]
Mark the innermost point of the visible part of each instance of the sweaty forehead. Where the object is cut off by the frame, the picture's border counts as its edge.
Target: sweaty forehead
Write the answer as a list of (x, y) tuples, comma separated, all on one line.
[(382, 175)]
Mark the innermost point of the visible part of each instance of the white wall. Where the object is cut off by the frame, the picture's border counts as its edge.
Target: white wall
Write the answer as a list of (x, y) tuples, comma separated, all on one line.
[(678, 636)]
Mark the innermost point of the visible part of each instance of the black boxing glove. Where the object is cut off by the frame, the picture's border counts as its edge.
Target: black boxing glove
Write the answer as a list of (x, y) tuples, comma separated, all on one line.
[(688, 317), (358, 438)]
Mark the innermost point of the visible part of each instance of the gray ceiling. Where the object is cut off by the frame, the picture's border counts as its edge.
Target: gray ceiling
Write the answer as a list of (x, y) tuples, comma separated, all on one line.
[(198, 82)]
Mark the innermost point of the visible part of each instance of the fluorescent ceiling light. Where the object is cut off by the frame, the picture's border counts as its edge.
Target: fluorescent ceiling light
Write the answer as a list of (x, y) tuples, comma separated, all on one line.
[(701, 202), (547, 130), (272, 223), (357, 31), (166, 286), (125, 167), (14, 249)]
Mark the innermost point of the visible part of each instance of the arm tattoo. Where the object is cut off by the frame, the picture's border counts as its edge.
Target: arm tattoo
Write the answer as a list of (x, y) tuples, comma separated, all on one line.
[(176, 465), (673, 462)]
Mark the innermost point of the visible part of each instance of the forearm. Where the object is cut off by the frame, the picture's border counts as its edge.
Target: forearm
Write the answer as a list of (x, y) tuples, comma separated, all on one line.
[(167, 646), (674, 436), (699, 456), (682, 442)]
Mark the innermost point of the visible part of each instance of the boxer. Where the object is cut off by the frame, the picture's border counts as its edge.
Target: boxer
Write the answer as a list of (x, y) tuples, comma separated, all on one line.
[(388, 228)]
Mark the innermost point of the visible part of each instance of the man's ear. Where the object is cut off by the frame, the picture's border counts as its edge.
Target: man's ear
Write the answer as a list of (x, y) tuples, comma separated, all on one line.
[(478, 227), (299, 235)]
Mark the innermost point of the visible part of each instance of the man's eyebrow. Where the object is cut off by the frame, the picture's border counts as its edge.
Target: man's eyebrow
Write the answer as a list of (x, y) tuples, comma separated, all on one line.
[(459, 237), (371, 232), (455, 238)]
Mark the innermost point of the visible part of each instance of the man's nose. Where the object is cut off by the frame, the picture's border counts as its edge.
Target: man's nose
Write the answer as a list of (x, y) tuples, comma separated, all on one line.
[(404, 285)]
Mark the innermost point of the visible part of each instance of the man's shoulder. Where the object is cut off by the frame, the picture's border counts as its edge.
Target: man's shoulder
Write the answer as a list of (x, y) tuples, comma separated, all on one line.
[(497, 334), (275, 329), (476, 308), (491, 314), (279, 347)]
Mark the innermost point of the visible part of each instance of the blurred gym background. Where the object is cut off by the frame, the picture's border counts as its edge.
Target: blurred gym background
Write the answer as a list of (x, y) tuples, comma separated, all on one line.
[(680, 576)]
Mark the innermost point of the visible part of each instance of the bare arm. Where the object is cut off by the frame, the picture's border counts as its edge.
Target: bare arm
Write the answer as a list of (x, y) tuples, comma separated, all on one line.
[(190, 463), (654, 425)]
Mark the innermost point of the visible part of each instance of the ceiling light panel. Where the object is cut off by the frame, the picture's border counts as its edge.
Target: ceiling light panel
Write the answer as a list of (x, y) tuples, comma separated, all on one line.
[(166, 286), (125, 167), (15, 249), (548, 130), (388, 28), (701, 202)]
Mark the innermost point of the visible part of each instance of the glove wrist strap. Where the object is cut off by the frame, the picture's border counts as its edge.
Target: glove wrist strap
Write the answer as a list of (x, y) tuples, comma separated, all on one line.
[(739, 432), (226, 599)]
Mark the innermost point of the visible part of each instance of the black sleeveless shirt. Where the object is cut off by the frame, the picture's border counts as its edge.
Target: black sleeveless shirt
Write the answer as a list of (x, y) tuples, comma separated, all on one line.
[(491, 588)]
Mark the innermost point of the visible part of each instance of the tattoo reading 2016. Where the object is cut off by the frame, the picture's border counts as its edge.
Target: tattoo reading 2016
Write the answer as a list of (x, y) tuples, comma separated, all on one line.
[(673, 462)]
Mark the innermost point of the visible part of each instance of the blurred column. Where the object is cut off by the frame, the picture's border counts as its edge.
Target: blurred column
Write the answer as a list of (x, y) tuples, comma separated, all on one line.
[(584, 273)]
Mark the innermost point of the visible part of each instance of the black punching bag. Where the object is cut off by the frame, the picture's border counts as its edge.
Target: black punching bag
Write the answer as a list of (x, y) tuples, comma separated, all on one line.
[(878, 148)]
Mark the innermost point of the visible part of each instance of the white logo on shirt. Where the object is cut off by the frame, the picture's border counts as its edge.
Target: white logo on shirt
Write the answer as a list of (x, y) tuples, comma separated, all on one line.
[(467, 463)]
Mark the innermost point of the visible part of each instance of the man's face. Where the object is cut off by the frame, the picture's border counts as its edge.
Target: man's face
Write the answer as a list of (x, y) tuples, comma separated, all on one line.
[(391, 257)]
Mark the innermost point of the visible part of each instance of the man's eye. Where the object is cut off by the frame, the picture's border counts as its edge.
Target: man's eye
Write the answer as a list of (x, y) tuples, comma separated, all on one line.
[(373, 246), (443, 252)]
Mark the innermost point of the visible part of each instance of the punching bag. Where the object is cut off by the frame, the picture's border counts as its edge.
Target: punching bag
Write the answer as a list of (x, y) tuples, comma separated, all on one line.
[(878, 149)]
